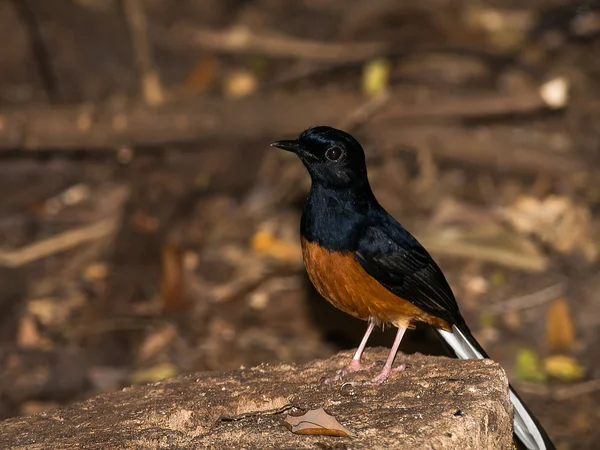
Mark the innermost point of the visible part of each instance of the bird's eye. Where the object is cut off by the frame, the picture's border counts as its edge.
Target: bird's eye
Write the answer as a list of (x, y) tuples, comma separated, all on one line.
[(333, 153)]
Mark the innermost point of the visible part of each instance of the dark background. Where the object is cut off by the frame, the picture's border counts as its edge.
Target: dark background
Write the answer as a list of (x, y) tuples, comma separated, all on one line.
[(147, 229)]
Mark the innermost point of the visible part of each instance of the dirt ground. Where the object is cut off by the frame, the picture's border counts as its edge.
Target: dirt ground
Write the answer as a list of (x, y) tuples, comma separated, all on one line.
[(147, 229)]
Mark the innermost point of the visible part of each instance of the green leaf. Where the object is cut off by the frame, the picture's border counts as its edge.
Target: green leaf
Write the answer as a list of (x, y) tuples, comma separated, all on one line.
[(528, 366)]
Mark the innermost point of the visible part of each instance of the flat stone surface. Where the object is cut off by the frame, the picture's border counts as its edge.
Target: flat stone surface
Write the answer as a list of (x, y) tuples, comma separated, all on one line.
[(436, 403)]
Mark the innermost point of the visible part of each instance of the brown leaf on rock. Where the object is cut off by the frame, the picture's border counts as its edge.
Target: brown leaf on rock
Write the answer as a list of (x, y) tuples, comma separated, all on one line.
[(316, 422)]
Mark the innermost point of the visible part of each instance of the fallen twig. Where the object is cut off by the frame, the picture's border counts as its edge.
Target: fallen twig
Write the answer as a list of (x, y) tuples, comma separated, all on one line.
[(567, 392), (90, 127), (475, 146), (500, 248), (59, 243), (528, 301), (471, 107), (243, 40), (268, 412), (561, 393)]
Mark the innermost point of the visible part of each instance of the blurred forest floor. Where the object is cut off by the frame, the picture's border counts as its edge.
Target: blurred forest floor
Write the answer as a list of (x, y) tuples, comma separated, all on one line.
[(147, 229)]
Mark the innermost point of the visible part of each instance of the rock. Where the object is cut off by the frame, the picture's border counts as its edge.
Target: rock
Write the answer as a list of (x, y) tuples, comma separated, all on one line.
[(436, 403)]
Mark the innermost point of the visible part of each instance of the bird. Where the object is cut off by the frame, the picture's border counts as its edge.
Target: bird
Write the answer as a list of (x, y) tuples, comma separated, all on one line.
[(365, 263)]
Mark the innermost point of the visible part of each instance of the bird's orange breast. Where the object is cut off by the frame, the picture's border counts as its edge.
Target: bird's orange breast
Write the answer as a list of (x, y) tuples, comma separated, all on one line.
[(342, 281)]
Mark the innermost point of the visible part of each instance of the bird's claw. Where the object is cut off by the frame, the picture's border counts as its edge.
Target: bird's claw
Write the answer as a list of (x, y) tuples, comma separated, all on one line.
[(379, 379), (354, 366)]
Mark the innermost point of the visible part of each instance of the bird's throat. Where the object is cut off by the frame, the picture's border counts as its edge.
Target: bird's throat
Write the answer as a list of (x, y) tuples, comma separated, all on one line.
[(332, 218)]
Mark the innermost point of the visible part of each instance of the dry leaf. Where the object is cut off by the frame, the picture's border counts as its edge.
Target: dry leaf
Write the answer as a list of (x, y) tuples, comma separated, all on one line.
[(49, 312), (555, 220), (157, 341), (95, 272), (505, 28), (28, 335), (564, 368), (202, 75), (463, 229), (316, 421), (154, 373), (153, 90), (240, 84), (586, 23), (267, 243), (173, 292), (376, 77), (486, 244), (560, 332)]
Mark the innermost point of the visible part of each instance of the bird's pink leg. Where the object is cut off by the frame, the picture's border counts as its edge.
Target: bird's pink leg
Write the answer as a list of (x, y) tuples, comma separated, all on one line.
[(355, 365), (387, 368)]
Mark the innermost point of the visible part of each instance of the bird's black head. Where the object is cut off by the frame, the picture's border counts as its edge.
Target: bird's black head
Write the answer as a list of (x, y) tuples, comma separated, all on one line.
[(333, 158)]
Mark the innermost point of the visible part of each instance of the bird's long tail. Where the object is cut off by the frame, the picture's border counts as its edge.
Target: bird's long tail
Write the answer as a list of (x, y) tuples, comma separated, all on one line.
[(526, 427)]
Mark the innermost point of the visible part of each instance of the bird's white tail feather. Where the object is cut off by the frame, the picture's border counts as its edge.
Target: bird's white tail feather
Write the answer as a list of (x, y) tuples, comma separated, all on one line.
[(524, 426)]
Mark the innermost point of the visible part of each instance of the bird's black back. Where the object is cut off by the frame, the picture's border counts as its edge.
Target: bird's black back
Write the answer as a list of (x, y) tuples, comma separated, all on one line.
[(351, 220)]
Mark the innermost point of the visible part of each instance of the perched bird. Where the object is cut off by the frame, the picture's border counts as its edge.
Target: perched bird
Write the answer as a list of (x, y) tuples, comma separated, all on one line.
[(365, 263)]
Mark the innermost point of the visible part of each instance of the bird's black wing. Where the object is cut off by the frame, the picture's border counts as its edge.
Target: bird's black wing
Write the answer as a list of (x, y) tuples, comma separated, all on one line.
[(392, 256)]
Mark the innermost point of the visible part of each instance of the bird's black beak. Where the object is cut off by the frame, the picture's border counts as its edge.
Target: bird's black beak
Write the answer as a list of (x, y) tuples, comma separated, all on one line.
[(291, 146)]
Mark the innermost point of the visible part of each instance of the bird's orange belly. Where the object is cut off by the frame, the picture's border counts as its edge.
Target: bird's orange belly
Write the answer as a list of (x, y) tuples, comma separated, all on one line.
[(342, 281)]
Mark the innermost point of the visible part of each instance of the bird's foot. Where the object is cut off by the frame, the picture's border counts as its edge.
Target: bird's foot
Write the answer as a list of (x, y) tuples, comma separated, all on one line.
[(383, 375), (354, 366)]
